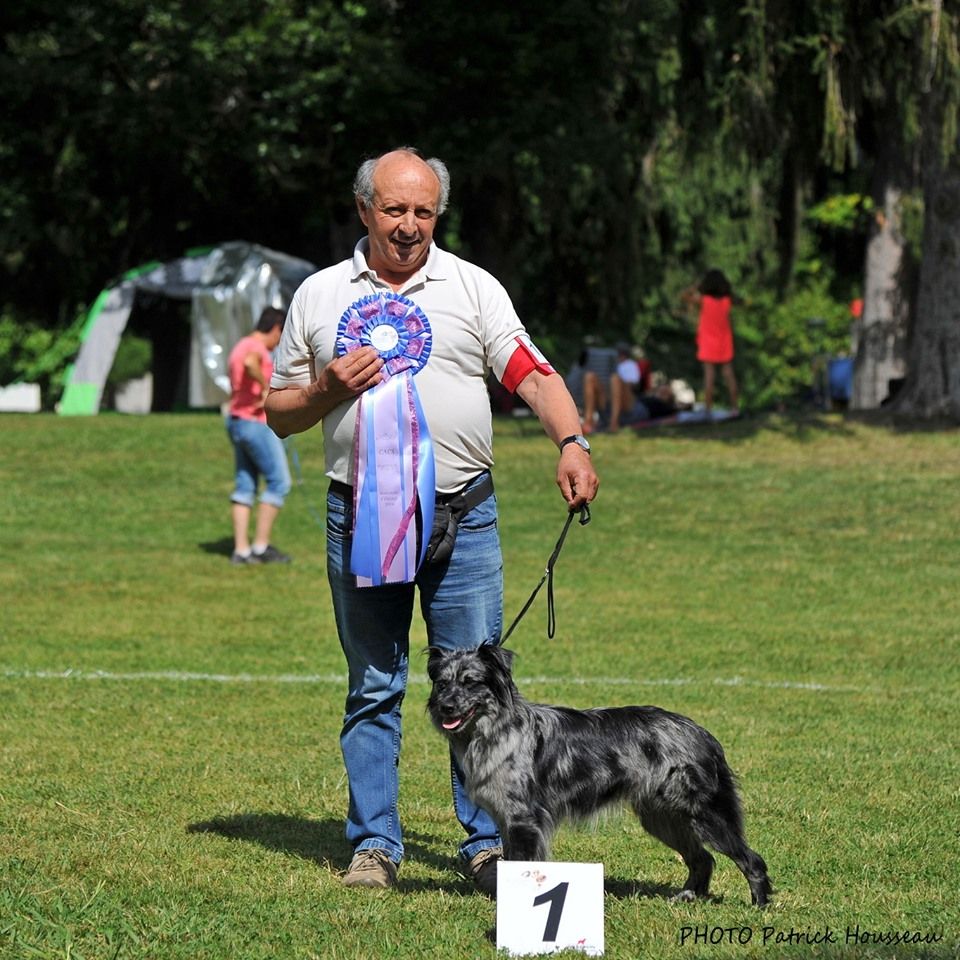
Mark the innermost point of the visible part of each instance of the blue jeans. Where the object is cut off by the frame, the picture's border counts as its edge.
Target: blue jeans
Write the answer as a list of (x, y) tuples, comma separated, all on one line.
[(258, 451), (461, 601)]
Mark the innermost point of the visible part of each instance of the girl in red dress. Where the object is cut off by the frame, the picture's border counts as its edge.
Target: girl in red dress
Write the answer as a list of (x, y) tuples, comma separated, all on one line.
[(715, 336)]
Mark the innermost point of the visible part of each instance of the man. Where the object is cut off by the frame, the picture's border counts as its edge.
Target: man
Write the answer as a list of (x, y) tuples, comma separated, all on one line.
[(474, 329), (258, 451)]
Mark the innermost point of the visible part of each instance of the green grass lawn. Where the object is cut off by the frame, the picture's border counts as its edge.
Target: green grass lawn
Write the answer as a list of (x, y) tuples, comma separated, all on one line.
[(170, 777)]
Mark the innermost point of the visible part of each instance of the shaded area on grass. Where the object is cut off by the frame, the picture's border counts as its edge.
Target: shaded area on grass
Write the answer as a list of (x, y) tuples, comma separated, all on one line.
[(221, 548), (321, 841), (622, 889), (801, 427)]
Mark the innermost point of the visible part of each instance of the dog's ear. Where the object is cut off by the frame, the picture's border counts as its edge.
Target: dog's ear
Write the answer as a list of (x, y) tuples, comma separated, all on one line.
[(434, 656), (500, 656)]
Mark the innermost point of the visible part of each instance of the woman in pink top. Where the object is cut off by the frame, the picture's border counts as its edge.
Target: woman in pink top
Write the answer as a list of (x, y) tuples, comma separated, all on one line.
[(715, 336), (257, 449)]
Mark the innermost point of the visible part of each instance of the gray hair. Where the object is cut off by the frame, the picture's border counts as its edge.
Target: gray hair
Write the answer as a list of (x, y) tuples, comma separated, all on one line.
[(363, 181)]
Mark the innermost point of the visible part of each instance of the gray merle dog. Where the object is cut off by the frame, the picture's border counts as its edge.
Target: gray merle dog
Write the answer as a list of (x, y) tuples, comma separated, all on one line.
[(532, 766)]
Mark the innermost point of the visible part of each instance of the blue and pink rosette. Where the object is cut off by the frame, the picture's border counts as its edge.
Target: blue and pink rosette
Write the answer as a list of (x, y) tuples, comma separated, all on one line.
[(394, 471)]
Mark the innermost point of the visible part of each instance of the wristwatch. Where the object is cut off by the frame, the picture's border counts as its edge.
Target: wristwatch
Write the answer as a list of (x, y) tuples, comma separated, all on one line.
[(578, 439)]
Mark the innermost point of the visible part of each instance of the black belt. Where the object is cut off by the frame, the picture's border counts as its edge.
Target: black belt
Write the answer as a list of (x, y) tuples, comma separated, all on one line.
[(342, 490), (473, 493)]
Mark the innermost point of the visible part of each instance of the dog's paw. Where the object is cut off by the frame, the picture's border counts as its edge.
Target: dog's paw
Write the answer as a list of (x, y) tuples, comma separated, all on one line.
[(684, 896)]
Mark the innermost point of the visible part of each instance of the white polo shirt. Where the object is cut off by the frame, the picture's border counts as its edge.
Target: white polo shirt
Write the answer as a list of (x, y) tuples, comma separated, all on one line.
[(474, 329)]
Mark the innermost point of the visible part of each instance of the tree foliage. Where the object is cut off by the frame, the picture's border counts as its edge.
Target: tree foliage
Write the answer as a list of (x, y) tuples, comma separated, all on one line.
[(604, 153), (138, 128)]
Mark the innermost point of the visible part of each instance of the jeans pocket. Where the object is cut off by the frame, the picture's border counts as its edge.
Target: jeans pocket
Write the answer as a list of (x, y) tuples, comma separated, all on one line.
[(339, 520), (482, 517)]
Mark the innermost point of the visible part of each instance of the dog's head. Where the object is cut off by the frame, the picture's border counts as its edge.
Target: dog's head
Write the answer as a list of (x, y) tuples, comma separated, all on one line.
[(469, 687)]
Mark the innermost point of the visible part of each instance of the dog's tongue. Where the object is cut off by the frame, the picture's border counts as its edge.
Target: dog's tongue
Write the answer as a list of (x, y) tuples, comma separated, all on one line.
[(452, 724)]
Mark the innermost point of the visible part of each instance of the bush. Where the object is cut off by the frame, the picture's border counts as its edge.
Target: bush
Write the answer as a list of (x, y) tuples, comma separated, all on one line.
[(32, 354), (778, 344), (21, 346), (134, 358)]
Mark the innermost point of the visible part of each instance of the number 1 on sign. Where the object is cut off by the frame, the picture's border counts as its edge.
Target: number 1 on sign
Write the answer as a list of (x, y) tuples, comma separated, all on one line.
[(543, 907), (555, 898)]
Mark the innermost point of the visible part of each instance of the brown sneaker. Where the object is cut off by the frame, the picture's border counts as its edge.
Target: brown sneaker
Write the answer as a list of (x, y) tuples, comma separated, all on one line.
[(483, 870), (371, 868)]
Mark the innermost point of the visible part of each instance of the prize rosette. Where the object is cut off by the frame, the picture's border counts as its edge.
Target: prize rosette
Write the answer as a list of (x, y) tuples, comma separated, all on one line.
[(393, 325), (394, 474)]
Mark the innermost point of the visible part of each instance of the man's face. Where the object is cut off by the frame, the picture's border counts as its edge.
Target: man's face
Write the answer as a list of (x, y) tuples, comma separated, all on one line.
[(401, 221)]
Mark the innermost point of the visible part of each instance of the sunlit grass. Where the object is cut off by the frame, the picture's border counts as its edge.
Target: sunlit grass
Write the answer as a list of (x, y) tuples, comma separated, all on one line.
[(170, 776)]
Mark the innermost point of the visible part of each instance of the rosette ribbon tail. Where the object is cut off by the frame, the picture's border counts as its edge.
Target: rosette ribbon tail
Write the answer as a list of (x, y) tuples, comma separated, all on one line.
[(394, 475)]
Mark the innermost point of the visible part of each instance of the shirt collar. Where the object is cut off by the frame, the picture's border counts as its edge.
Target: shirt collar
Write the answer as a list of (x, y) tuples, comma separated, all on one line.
[(431, 270)]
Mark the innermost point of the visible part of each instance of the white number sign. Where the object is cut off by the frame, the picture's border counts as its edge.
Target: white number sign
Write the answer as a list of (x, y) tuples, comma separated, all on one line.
[(543, 907)]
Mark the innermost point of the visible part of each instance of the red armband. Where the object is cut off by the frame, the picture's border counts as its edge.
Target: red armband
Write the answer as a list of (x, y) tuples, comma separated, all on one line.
[(525, 359)]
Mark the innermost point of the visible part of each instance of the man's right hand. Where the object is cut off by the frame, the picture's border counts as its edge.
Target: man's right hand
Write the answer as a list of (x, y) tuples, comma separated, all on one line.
[(349, 375)]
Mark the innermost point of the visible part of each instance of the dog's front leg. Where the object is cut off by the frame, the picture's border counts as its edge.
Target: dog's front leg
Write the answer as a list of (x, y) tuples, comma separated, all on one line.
[(525, 840)]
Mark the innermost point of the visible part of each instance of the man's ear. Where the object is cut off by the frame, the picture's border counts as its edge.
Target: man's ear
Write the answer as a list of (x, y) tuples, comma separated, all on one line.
[(361, 210)]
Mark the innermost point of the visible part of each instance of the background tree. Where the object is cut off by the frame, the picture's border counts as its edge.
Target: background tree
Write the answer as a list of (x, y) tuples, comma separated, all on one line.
[(933, 379), (604, 156), (878, 60), (135, 129)]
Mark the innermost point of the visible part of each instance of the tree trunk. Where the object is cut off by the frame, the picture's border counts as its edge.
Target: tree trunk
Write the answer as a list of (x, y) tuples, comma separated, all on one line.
[(790, 216), (933, 381), (933, 385), (880, 335)]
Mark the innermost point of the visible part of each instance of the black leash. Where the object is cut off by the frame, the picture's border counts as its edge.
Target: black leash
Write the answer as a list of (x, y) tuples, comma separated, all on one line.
[(547, 578)]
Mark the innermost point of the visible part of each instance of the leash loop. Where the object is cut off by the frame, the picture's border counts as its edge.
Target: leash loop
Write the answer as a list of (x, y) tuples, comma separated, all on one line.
[(547, 577)]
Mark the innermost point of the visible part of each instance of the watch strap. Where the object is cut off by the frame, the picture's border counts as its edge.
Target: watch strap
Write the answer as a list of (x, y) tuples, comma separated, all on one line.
[(579, 439)]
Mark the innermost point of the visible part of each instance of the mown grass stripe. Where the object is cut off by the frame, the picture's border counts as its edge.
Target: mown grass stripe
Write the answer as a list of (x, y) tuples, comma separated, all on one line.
[(181, 676)]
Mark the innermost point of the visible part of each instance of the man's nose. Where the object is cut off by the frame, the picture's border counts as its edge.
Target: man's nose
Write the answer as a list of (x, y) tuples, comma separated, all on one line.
[(408, 223)]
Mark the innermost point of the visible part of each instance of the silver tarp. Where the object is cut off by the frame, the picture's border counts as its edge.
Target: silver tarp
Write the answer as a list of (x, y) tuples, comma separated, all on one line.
[(227, 287), (237, 282)]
